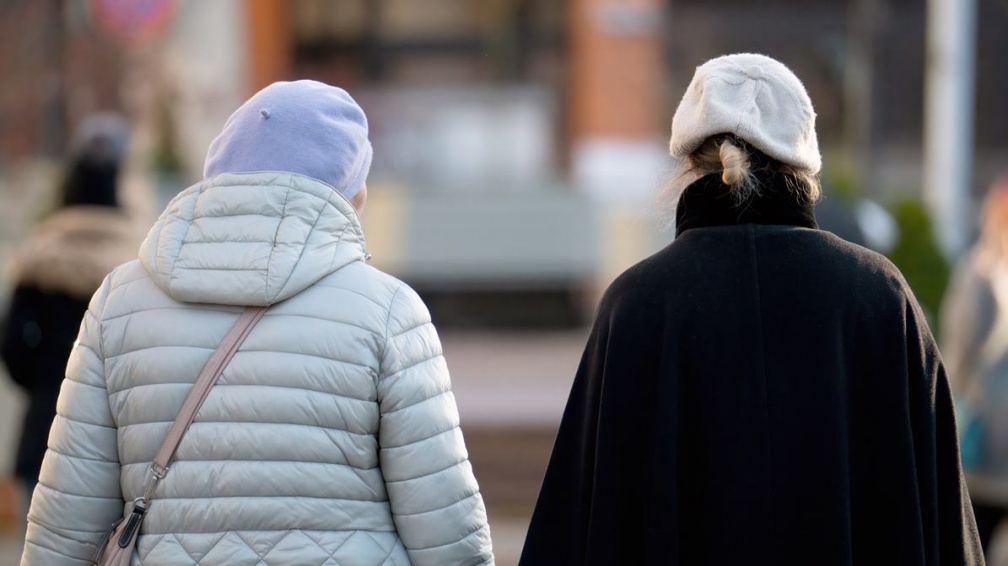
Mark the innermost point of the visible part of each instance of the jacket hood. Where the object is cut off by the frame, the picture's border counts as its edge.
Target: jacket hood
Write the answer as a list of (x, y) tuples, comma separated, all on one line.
[(251, 238), (73, 250)]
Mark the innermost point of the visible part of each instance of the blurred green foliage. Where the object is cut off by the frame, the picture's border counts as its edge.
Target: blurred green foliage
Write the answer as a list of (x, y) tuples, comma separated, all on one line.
[(918, 256), (838, 182)]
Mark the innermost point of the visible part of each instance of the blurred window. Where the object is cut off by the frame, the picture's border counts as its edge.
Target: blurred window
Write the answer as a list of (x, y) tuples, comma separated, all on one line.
[(435, 41)]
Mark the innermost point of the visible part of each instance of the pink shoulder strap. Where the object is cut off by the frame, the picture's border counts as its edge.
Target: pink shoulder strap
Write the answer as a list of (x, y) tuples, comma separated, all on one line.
[(207, 378)]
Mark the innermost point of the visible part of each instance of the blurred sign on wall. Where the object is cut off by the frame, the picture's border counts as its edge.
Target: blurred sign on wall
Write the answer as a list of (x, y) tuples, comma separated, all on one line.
[(132, 21)]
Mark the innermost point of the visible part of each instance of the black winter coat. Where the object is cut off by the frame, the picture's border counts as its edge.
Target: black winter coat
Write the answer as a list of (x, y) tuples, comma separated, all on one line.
[(758, 392), (40, 331), (57, 269)]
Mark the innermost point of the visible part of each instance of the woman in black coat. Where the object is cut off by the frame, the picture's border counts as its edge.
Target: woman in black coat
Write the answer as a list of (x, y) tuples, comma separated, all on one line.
[(760, 391), (56, 269)]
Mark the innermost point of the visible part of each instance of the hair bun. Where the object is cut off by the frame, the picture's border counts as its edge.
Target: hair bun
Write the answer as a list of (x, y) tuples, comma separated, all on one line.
[(735, 163)]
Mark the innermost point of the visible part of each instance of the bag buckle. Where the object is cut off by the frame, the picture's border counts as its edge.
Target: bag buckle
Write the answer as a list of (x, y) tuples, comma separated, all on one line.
[(156, 474)]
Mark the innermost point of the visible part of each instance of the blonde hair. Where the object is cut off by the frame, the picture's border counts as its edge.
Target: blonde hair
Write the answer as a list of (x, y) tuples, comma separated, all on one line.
[(733, 158)]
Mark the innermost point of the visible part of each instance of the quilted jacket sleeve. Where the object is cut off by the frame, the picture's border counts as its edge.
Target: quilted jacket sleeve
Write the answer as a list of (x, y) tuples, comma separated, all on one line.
[(436, 503), (78, 495)]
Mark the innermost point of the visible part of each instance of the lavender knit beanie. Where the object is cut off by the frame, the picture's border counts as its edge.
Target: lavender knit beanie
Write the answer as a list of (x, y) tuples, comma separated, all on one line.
[(304, 127)]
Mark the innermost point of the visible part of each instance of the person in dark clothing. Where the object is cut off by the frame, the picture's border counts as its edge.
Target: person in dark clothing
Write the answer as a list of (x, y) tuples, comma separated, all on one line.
[(759, 391), (839, 218), (56, 270)]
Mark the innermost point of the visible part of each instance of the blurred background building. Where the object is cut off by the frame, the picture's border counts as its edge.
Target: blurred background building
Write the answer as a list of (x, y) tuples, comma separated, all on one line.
[(520, 148)]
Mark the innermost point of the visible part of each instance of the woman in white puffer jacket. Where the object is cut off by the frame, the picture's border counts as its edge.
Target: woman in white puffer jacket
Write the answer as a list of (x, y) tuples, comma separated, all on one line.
[(331, 438)]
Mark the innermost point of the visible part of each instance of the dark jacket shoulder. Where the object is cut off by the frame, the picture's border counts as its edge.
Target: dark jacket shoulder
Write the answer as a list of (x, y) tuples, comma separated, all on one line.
[(820, 255)]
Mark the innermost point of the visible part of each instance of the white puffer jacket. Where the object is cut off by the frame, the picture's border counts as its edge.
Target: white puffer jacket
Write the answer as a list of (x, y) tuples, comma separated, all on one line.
[(331, 438)]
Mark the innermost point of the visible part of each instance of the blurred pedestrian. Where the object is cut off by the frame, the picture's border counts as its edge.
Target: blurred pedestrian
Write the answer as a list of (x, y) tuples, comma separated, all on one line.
[(57, 268), (975, 347), (332, 436), (839, 217), (760, 391)]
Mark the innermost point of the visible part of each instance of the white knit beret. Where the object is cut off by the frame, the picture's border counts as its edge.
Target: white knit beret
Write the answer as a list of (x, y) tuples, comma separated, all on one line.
[(757, 99)]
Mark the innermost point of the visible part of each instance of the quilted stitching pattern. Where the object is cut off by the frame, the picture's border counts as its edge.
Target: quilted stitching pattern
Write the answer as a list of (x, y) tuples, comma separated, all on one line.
[(305, 548), (335, 418)]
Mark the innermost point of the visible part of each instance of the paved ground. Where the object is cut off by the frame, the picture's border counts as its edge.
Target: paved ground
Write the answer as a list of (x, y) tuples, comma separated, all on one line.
[(10, 550), (512, 379)]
